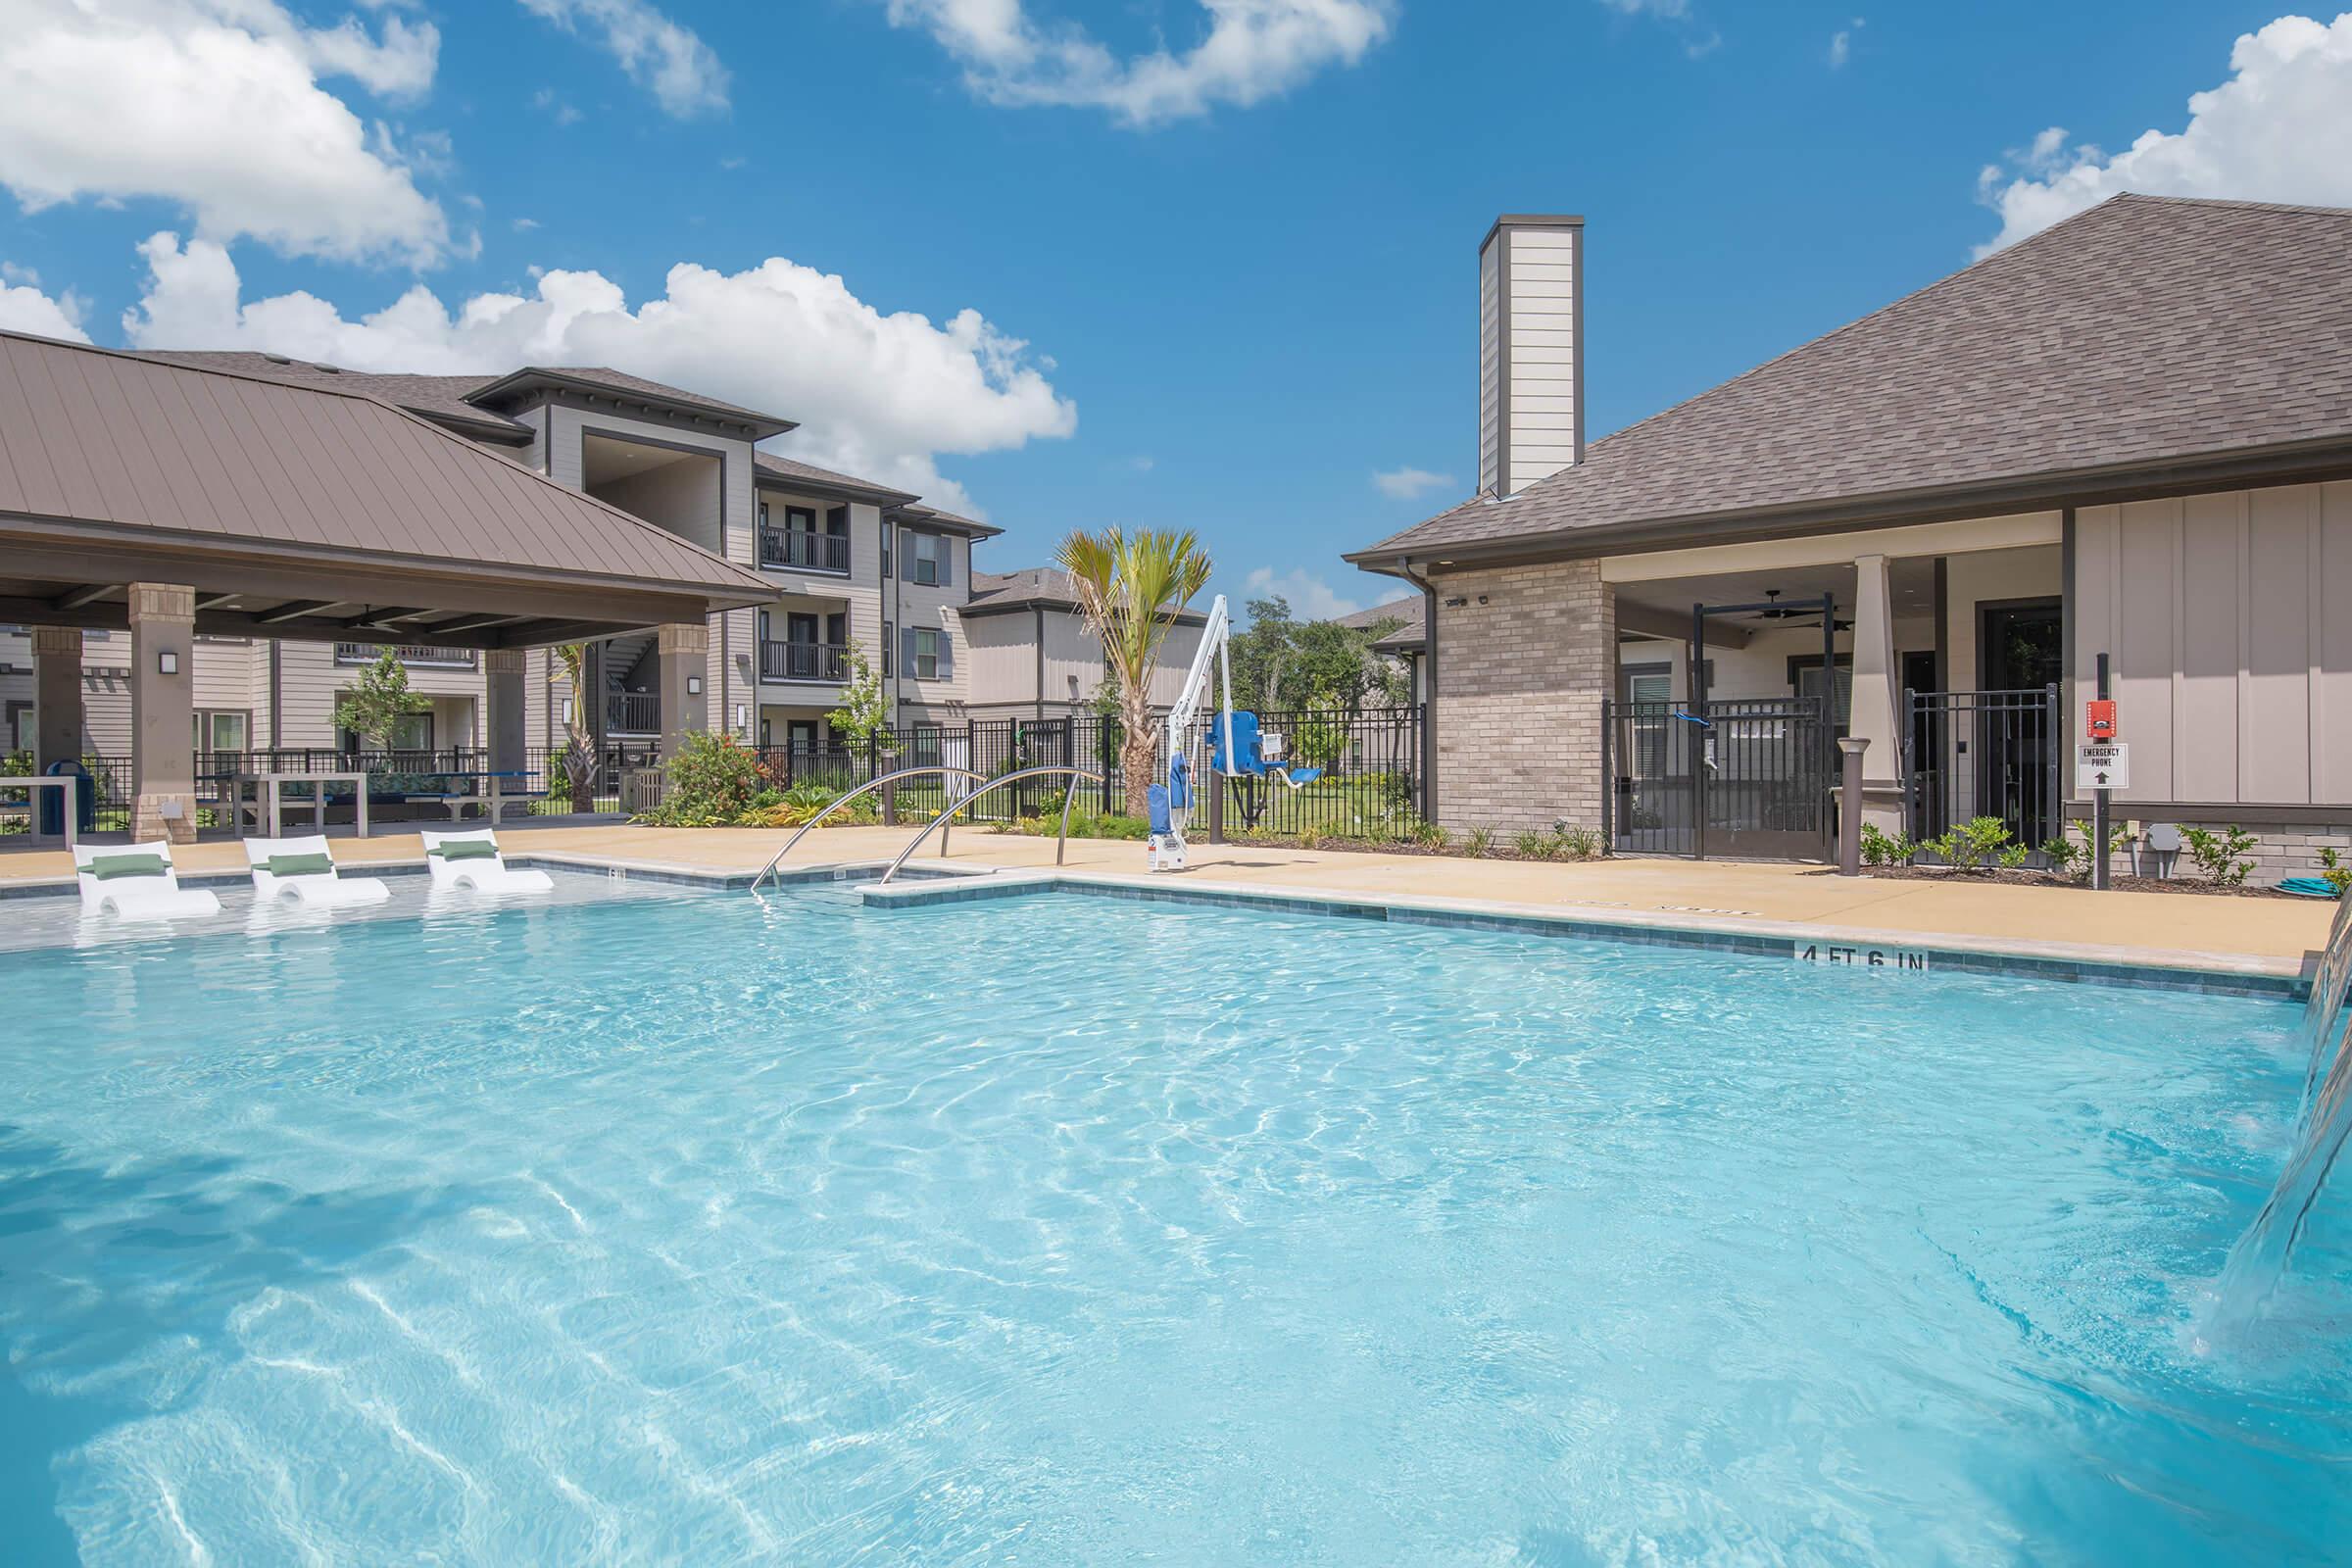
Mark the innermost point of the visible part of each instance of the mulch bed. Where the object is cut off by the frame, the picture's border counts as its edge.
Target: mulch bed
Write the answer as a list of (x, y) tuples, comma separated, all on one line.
[(2043, 880)]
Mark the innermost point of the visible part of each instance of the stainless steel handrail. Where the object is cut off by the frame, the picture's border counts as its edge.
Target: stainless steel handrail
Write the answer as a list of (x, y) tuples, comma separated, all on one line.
[(1061, 847), (866, 788)]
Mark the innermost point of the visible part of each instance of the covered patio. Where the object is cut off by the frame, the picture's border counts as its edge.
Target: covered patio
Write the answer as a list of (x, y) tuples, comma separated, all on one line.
[(170, 503)]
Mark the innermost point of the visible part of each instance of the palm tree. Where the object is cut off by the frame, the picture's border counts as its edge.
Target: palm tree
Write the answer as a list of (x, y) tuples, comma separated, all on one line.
[(1130, 588), (579, 751)]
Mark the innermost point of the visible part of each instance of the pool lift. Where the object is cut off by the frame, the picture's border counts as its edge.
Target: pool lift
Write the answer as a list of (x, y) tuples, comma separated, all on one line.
[(1232, 742)]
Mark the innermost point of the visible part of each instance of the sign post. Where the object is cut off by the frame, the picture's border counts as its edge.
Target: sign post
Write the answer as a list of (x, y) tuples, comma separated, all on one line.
[(2105, 708)]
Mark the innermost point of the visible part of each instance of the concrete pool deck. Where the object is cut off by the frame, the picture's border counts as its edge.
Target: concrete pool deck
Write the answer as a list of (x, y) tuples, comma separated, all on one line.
[(2271, 937)]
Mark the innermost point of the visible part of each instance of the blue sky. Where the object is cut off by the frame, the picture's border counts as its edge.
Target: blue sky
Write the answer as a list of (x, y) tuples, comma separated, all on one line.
[(1220, 291)]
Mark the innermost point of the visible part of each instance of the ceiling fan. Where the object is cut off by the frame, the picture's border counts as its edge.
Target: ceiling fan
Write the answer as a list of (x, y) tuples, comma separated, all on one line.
[(1790, 614)]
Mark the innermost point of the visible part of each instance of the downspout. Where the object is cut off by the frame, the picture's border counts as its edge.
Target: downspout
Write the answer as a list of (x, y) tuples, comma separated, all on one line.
[(1429, 693), (277, 696), (1039, 610)]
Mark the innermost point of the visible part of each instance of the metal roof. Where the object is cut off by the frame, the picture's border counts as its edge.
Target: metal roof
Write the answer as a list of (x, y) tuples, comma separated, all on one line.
[(117, 454), (606, 381), (2146, 341), (439, 398)]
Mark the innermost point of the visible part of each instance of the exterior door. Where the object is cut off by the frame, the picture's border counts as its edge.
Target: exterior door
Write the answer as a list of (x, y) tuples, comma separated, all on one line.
[(2021, 648)]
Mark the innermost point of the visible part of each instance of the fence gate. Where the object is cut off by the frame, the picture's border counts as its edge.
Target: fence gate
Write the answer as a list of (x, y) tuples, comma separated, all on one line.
[(1735, 778), (1986, 754)]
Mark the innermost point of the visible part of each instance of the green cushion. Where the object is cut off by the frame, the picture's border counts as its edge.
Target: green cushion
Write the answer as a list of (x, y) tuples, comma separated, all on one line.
[(467, 850), (106, 867), (310, 864)]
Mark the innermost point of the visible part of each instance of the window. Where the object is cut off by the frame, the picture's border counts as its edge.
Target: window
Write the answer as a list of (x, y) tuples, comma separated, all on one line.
[(219, 729), (887, 531), (934, 557), (837, 521), (763, 516), (801, 519), (21, 728), (1804, 674), (929, 652)]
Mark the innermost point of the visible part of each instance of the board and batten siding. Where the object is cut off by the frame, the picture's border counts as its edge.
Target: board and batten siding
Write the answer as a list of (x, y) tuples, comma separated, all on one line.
[(1490, 370), (1543, 345), (2233, 682)]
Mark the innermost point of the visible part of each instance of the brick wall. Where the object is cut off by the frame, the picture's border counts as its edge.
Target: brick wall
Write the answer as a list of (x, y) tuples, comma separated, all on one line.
[(1524, 663)]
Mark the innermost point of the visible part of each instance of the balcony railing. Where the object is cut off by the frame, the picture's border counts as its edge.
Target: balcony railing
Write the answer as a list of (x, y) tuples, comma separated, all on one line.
[(410, 654), (799, 549), (632, 712), (823, 661)]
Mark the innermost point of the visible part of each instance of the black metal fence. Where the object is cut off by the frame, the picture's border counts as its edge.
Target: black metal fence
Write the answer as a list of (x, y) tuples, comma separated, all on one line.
[(1986, 754), (1746, 778)]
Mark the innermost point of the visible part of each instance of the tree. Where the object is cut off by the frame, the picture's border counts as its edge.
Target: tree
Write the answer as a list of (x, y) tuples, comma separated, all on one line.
[(864, 716), (374, 708), (1283, 666), (579, 739), (1130, 588)]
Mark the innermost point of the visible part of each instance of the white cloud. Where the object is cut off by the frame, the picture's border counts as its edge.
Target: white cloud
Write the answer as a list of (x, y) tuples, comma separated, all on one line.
[(878, 395), (1841, 44), (1311, 597), (1253, 50), (1698, 37), (217, 105), (1403, 484), (669, 61), (2278, 130), (523, 225), (23, 308)]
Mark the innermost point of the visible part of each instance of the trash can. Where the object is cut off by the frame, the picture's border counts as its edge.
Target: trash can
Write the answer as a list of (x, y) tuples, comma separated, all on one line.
[(86, 801)]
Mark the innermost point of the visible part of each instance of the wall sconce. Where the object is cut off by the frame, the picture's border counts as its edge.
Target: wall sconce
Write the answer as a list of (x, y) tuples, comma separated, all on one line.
[(694, 685), (166, 663), (739, 722), (567, 710)]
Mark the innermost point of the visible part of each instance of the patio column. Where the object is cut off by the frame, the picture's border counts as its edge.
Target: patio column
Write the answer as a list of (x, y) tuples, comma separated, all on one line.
[(56, 695), (504, 731), (162, 708), (1873, 717), (685, 650)]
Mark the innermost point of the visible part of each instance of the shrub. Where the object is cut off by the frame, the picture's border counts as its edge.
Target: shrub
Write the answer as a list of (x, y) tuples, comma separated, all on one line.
[(1887, 849), (1310, 838), (1083, 825), (2216, 854), (1978, 845), (2072, 857), (1578, 843), (1477, 842), (2334, 872), (1537, 845), (710, 783)]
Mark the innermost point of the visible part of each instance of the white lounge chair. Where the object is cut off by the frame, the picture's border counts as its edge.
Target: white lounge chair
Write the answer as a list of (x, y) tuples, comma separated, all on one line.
[(471, 859), (135, 882), (302, 869)]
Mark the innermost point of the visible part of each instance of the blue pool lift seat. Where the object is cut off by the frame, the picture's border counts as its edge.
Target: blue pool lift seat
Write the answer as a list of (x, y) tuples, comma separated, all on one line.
[(1250, 760)]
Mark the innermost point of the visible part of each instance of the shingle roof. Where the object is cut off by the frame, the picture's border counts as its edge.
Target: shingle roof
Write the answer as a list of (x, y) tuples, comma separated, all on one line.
[(1034, 585), (772, 467), (436, 397), (605, 379), (90, 435), (2144, 332), (1401, 617)]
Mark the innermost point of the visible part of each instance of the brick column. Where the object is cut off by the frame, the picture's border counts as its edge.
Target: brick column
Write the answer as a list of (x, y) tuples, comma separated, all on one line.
[(56, 695), (504, 695), (1525, 659), (685, 651), (163, 708)]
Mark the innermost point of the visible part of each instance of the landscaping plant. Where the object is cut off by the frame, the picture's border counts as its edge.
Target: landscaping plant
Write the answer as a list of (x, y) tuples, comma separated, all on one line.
[(2216, 854), (1576, 843), (1887, 849), (2334, 872), (1130, 589), (862, 721), (1477, 842), (1980, 843), (374, 707), (710, 782)]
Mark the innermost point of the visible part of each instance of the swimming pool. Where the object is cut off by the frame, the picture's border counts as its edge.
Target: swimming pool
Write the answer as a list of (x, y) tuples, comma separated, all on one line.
[(1067, 1229)]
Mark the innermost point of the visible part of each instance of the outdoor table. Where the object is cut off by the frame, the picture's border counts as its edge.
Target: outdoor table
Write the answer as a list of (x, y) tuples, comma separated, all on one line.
[(63, 783), (267, 799), (491, 798)]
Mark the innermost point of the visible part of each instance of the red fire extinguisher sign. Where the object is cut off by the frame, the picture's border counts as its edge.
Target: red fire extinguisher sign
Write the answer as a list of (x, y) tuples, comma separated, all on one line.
[(2098, 722)]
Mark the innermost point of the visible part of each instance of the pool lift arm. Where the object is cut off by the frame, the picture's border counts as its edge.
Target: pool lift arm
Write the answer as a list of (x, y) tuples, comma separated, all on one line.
[(1170, 800)]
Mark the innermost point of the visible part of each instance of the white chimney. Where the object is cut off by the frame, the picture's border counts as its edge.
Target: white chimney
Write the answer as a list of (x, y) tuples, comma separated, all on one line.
[(1531, 350)]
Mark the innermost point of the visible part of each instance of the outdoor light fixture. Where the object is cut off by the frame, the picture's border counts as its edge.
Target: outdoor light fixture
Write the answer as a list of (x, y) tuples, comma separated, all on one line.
[(166, 663), (694, 685)]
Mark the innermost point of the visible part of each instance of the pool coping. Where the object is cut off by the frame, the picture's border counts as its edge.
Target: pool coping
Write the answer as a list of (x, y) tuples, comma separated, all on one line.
[(1833, 946)]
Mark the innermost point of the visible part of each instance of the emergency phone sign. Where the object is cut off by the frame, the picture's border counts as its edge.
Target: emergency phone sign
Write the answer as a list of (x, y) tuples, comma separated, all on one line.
[(2102, 766), (2098, 718)]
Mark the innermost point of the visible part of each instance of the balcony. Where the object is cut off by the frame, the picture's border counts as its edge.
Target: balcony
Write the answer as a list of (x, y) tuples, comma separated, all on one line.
[(818, 661), (409, 654), (799, 549), (632, 713)]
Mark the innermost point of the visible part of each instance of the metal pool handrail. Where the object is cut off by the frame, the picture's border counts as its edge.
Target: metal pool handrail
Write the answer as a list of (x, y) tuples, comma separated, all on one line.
[(866, 788), (1060, 846)]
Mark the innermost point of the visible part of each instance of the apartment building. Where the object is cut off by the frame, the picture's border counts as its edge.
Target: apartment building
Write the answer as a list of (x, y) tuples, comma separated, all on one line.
[(852, 563), (1033, 655)]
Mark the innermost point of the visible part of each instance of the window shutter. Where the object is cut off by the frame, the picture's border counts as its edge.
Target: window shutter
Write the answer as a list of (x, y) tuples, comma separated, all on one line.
[(946, 655), (906, 649), (946, 562), (887, 531)]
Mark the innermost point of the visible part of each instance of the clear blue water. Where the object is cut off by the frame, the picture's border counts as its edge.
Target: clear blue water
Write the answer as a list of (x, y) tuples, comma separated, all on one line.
[(1068, 1230)]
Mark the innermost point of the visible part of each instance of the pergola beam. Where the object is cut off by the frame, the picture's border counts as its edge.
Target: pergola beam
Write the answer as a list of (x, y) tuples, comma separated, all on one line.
[(299, 610), (88, 593)]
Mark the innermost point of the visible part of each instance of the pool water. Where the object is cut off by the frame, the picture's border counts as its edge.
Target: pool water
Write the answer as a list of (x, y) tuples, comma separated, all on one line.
[(1067, 1229)]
